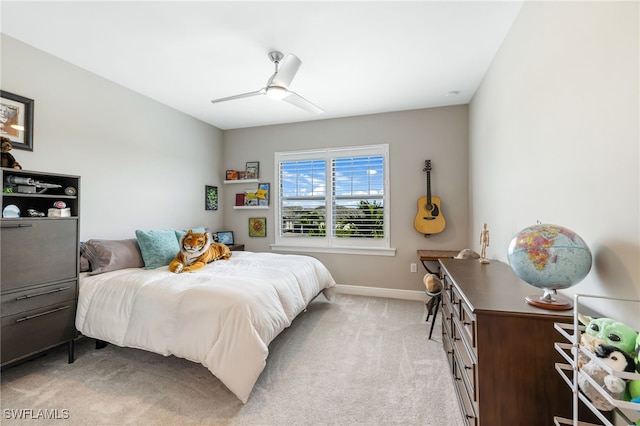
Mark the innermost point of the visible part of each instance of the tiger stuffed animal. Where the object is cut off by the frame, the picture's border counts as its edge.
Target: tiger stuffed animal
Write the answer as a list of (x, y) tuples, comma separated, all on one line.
[(196, 250)]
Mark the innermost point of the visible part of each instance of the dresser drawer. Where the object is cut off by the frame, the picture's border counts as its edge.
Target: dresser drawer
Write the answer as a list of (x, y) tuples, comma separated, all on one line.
[(466, 405), (38, 251), (26, 300), (447, 313), (465, 362), (30, 332), (467, 319), (447, 345)]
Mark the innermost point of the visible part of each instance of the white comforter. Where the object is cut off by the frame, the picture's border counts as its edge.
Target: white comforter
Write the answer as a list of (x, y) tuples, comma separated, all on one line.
[(223, 316)]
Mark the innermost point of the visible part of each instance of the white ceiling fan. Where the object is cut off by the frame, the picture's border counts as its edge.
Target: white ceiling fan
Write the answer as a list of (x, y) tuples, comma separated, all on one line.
[(278, 85)]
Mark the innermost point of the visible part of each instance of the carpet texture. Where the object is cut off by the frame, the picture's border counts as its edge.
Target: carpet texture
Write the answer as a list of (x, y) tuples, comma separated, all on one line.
[(352, 361)]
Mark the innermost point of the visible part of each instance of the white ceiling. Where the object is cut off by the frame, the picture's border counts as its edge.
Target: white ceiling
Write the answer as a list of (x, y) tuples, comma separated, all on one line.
[(357, 57)]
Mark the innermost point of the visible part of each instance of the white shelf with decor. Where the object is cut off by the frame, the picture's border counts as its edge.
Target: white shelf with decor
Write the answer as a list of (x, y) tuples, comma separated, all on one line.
[(242, 181), (250, 207), (628, 412)]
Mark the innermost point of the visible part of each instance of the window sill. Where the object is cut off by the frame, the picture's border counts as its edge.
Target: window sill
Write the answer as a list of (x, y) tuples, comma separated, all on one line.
[(369, 251)]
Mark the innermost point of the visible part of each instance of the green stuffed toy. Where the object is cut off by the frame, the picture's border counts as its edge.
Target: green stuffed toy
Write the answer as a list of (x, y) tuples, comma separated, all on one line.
[(607, 331), (634, 385)]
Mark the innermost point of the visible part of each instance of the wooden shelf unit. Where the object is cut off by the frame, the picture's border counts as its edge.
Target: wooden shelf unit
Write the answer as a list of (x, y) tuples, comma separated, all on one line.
[(39, 259)]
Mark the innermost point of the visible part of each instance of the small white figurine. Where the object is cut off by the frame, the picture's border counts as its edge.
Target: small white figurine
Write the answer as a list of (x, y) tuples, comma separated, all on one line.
[(484, 243)]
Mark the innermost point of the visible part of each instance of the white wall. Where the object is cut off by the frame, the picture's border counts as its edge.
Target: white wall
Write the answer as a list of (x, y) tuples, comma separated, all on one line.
[(142, 164), (554, 138), (438, 134)]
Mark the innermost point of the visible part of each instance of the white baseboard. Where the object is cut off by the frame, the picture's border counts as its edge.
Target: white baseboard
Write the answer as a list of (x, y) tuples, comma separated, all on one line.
[(381, 292)]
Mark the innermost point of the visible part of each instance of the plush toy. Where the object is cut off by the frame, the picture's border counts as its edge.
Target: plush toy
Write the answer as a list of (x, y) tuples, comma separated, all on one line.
[(615, 386), (634, 385), (196, 250), (610, 332), (467, 254), (432, 283), (7, 157)]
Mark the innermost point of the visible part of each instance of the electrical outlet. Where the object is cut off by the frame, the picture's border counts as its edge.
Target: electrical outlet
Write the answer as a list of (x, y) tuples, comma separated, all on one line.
[(414, 267)]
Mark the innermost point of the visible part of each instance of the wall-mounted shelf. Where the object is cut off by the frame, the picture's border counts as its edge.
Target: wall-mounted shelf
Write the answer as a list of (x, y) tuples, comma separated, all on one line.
[(571, 371), (242, 181), (250, 207)]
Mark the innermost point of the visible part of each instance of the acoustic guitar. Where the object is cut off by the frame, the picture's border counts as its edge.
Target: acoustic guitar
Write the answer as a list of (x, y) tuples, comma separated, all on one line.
[(429, 219)]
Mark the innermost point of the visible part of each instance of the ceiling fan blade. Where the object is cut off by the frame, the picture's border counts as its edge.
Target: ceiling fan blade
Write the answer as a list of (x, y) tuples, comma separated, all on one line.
[(287, 69), (243, 95), (300, 102)]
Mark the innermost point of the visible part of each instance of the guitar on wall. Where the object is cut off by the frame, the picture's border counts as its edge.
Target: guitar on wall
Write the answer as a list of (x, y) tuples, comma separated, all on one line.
[(429, 219)]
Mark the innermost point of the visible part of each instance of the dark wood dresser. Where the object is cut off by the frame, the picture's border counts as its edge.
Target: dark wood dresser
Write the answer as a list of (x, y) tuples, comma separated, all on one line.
[(499, 348), (39, 265)]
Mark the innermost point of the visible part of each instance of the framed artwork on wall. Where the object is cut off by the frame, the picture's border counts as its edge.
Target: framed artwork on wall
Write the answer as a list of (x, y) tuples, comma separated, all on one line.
[(225, 237), (252, 170), (16, 120), (263, 193), (210, 197), (257, 226)]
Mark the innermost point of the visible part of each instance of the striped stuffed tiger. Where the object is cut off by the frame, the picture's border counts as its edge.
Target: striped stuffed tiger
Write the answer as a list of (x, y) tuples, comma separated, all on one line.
[(196, 250)]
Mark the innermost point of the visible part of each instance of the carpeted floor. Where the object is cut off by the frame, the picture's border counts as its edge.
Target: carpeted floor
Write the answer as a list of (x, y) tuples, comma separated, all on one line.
[(352, 361)]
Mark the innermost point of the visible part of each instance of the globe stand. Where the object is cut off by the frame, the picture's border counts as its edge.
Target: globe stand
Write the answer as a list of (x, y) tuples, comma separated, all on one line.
[(547, 301)]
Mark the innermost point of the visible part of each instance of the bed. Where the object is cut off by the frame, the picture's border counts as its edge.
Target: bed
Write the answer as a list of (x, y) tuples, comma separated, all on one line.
[(223, 316)]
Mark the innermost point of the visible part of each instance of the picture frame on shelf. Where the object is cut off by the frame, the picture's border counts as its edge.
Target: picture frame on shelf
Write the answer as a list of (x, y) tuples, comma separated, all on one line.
[(231, 175), (252, 170), (250, 198), (210, 197), (225, 237), (263, 193), (257, 226), (16, 120)]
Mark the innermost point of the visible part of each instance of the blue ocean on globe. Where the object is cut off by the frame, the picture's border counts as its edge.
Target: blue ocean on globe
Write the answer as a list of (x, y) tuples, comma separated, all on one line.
[(549, 256)]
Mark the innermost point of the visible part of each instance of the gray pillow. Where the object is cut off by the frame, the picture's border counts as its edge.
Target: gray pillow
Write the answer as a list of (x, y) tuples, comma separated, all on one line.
[(111, 255)]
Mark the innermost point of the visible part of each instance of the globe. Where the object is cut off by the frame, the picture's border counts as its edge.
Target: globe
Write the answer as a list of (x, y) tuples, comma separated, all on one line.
[(549, 257)]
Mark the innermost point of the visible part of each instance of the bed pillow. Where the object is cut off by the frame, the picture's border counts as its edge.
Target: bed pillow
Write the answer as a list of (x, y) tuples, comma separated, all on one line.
[(84, 262), (111, 255), (158, 248)]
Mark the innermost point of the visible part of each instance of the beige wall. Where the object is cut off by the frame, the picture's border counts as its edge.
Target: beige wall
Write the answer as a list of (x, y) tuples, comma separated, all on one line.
[(438, 134), (551, 135), (143, 164), (554, 138)]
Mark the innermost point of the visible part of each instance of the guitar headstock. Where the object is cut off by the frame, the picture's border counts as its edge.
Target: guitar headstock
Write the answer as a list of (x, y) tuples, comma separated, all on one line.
[(427, 166)]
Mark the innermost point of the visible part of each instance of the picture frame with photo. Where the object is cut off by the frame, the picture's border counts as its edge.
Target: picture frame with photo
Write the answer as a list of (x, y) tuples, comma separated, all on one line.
[(252, 170), (16, 120), (225, 237)]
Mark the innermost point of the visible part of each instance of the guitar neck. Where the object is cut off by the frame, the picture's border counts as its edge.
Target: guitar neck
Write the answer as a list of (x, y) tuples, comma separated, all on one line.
[(428, 187)]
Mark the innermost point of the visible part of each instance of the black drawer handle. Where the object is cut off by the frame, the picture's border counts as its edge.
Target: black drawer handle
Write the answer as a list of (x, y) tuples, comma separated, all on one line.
[(467, 367), (466, 323), (42, 313), (17, 225), (29, 296)]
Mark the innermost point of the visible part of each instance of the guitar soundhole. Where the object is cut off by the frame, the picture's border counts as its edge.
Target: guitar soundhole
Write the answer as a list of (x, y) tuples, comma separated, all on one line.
[(433, 208)]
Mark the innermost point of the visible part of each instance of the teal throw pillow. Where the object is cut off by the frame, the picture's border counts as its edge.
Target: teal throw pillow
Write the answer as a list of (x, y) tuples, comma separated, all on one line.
[(158, 248)]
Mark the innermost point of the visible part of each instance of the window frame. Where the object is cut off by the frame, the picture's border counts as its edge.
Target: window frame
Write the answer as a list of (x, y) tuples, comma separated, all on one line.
[(329, 243)]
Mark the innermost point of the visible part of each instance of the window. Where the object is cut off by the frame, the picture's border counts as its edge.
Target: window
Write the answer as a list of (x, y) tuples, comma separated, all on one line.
[(333, 200)]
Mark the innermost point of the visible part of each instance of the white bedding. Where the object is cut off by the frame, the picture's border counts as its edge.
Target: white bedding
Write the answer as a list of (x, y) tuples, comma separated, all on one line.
[(223, 316)]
